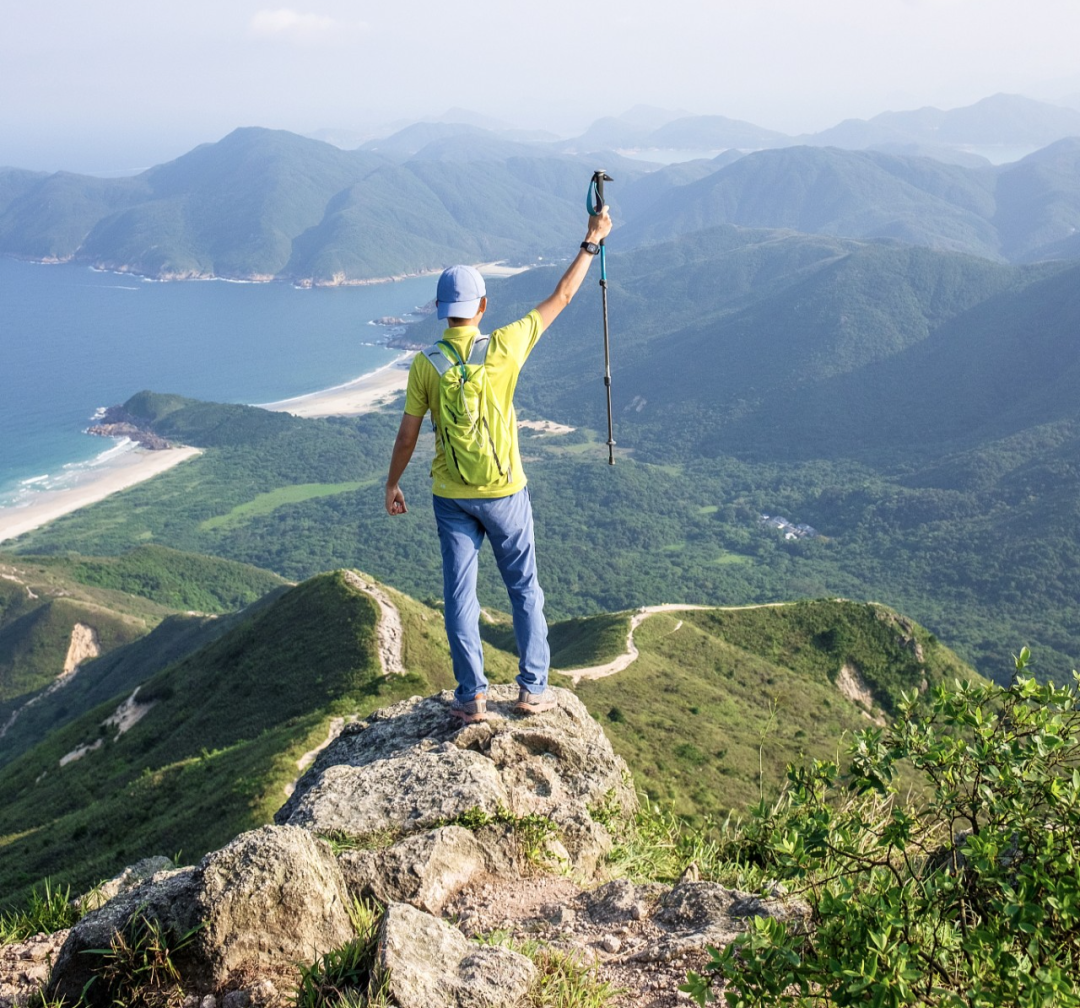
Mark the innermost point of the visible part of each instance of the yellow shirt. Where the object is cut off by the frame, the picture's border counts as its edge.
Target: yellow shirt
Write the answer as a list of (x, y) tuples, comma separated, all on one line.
[(509, 349)]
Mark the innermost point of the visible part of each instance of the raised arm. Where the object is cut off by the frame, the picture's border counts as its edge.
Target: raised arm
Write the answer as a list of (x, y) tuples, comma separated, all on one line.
[(567, 287)]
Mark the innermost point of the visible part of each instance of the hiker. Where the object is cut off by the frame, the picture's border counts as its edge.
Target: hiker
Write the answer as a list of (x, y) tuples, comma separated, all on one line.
[(499, 507)]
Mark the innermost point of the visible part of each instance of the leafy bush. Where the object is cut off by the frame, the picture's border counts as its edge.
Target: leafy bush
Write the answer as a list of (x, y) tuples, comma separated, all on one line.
[(969, 897)]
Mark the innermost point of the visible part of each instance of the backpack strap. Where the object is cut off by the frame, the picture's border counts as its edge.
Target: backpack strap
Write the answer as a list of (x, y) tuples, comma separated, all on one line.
[(443, 356)]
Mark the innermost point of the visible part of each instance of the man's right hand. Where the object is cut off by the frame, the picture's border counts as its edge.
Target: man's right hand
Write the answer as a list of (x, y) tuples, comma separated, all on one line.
[(599, 226)]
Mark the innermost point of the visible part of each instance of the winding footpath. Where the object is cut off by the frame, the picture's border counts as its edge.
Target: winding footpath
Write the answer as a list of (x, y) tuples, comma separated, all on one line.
[(630, 655), (389, 634)]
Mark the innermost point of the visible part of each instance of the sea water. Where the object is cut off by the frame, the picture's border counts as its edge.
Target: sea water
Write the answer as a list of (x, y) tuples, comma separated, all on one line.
[(73, 340)]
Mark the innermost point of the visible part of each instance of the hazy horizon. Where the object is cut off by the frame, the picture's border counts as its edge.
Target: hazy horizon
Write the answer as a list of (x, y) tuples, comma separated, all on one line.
[(122, 87)]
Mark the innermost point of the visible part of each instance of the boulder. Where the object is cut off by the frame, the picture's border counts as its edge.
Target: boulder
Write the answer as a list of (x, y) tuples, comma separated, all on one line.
[(412, 766), (428, 964), (267, 900), (425, 869)]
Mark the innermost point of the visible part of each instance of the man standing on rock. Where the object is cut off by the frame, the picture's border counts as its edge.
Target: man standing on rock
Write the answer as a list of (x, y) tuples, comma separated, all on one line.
[(500, 510)]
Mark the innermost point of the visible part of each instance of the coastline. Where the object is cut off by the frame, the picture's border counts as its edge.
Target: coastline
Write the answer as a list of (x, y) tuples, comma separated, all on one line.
[(126, 467), (89, 487), (361, 395), (490, 269)]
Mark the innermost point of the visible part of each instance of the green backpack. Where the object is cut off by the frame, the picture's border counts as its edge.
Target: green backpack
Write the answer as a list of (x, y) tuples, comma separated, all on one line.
[(477, 439)]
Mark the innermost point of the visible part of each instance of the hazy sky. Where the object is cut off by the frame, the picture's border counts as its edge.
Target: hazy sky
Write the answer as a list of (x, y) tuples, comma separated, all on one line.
[(118, 84)]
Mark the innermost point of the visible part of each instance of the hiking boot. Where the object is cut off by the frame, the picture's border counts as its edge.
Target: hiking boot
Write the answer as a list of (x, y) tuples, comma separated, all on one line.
[(470, 711), (535, 703)]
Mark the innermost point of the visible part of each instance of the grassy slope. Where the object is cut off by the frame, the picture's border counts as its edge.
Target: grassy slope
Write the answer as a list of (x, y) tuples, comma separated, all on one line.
[(211, 758), (213, 755), (120, 598), (714, 690)]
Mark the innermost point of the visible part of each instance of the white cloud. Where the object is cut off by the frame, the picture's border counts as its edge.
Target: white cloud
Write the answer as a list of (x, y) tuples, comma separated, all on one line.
[(304, 28)]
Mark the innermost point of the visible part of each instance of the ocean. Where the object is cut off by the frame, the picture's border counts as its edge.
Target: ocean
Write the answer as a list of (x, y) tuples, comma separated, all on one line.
[(73, 340)]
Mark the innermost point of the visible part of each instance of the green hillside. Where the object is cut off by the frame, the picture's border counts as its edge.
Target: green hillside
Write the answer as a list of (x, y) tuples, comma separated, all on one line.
[(263, 204), (219, 740), (268, 204), (35, 645), (912, 406), (60, 613), (167, 576), (218, 732), (719, 702)]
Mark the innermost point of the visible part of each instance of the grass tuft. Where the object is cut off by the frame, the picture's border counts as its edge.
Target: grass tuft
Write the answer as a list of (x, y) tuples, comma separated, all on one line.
[(347, 977), (47, 910)]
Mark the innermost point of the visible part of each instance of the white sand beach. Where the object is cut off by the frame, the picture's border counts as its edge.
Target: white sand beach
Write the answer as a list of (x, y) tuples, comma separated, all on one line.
[(88, 487), (361, 395)]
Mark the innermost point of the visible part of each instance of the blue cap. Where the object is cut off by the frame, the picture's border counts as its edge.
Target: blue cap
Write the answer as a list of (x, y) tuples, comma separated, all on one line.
[(459, 292)]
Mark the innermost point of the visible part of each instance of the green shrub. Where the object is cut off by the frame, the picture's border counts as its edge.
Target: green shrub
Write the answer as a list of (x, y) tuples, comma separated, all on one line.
[(969, 897)]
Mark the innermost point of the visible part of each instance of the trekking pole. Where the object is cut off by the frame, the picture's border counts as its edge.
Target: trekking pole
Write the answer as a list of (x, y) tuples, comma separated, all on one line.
[(595, 202)]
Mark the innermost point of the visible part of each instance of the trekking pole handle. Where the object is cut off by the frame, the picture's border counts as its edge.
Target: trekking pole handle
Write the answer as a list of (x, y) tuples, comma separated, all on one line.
[(594, 199)]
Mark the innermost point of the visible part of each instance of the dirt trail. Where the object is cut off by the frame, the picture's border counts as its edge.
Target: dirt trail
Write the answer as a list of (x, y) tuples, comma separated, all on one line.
[(639, 617), (388, 632)]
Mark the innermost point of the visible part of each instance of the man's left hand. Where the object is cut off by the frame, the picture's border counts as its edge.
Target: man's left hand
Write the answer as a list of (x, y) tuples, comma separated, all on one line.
[(395, 500)]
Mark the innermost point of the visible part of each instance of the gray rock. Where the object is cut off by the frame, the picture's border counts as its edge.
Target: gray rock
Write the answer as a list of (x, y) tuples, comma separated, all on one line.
[(610, 944), (424, 870), (429, 964), (236, 999), (611, 903), (558, 914), (270, 898), (410, 766), (400, 794), (699, 914), (129, 878), (694, 905), (168, 898)]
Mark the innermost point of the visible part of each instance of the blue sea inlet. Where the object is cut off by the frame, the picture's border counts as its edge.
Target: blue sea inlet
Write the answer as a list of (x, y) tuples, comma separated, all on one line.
[(73, 340)]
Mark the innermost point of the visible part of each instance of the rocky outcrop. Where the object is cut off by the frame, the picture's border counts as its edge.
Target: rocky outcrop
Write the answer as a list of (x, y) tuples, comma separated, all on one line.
[(269, 899), (116, 422), (411, 767), (125, 881), (439, 823)]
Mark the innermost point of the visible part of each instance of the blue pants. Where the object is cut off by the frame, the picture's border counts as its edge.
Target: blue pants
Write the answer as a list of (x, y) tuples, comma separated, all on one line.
[(508, 524)]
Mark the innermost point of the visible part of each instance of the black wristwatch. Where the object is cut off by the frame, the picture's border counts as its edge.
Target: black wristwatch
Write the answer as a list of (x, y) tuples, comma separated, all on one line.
[(591, 247)]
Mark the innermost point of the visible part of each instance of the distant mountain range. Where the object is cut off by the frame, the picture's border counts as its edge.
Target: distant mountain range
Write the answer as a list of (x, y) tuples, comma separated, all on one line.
[(1002, 120), (1018, 212), (266, 204)]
